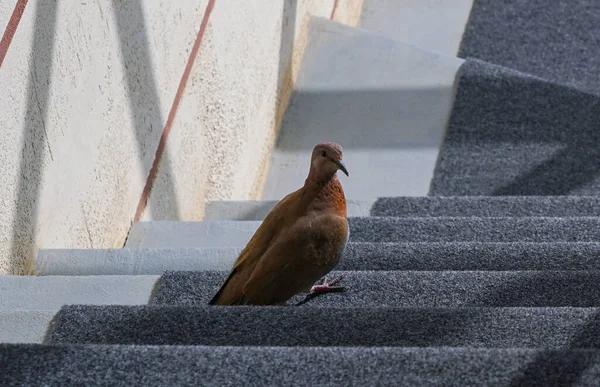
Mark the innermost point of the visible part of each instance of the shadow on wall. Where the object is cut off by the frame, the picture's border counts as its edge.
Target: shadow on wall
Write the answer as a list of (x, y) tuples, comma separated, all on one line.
[(144, 97), (34, 141), (285, 81), (143, 100), (144, 103)]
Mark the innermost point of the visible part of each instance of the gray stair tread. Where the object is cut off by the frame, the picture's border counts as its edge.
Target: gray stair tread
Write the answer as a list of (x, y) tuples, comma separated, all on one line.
[(259, 209), (409, 206), (533, 43), (487, 206), (357, 256), (190, 234), (507, 137), (452, 184), (52, 292), (401, 94), (353, 326), (126, 365), (497, 229), (25, 326), (415, 289), (379, 229), (133, 261)]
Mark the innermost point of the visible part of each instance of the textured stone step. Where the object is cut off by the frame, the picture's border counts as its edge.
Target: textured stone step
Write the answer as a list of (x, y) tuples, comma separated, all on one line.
[(488, 206), (259, 366), (160, 234), (357, 256), (506, 136), (415, 289), (25, 326), (258, 209), (152, 261), (415, 206), (378, 229), (353, 326), (52, 292)]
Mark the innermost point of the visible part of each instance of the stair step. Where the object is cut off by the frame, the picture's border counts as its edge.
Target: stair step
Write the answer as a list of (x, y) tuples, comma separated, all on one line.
[(25, 326), (152, 261), (351, 81), (34, 364), (414, 289), (162, 234), (289, 326), (259, 209), (555, 54), (431, 256), (52, 292), (378, 229), (425, 206), (488, 206), (506, 137)]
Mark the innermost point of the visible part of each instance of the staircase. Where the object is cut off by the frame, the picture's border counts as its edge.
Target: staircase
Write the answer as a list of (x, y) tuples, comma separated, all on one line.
[(474, 252)]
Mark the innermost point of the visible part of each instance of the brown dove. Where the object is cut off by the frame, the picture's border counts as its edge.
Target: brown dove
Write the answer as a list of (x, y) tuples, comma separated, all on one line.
[(300, 241)]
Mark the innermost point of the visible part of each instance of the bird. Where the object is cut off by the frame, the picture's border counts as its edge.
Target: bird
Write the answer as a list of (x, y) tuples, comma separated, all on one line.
[(299, 242)]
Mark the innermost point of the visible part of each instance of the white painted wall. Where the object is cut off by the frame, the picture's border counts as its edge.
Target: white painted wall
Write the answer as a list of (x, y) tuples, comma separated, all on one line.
[(85, 91)]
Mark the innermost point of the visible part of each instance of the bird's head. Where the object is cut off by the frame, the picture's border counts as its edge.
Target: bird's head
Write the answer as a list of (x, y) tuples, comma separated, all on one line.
[(326, 160)]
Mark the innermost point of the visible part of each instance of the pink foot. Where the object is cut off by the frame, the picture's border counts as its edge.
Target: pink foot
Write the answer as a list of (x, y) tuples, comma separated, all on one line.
[(327, 287), (322, 288)]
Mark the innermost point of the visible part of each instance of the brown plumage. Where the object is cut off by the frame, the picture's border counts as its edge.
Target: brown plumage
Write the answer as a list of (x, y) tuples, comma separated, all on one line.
[(298, 242)]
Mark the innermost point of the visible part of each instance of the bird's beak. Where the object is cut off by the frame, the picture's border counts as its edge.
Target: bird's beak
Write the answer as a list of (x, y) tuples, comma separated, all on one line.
[(342, 167)]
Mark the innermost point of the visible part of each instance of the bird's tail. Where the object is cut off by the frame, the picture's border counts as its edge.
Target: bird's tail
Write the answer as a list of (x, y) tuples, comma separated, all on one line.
[(242, 299)]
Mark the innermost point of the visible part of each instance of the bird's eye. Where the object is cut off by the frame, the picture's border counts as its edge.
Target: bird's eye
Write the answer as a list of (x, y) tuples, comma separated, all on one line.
[(323, 153)]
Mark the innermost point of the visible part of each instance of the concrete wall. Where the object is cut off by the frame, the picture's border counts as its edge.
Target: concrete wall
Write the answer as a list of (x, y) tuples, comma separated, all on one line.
[(86, 89)]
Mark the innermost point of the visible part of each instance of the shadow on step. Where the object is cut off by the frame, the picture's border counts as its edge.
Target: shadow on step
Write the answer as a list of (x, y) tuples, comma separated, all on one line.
[(407, 289), (145, 105), (35, 144), (514, 134), (543, 365), (366, 118), (552, 39), (189, 321), (574, 366)]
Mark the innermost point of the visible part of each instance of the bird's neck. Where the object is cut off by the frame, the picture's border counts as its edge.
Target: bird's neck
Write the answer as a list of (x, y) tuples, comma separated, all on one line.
[(325, 194)]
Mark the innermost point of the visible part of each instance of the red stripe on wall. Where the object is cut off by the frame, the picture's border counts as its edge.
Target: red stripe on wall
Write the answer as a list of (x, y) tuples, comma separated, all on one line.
[(11, 28), (163, 138), (335, 5)]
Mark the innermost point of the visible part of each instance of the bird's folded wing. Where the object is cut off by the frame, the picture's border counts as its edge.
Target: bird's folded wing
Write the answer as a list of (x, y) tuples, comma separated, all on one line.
[(308, 249), (263, 238), (272, 225)]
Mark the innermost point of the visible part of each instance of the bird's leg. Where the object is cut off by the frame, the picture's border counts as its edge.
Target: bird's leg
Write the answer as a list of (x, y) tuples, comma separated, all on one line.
[(327, 287), (322, 288)]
